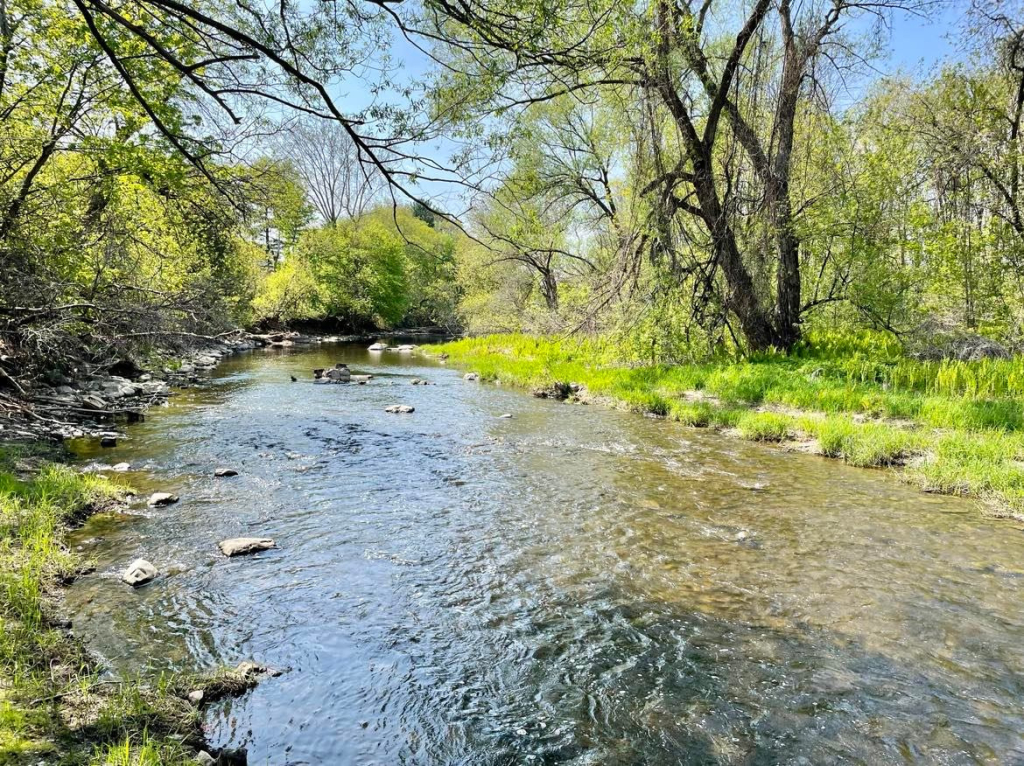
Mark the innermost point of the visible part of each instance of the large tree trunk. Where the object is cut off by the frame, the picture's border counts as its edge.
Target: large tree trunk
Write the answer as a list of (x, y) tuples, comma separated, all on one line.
[(549, 287), (787, 278)]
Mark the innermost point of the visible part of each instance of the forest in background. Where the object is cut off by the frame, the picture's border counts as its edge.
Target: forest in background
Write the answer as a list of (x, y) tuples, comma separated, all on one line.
[(684, 179)]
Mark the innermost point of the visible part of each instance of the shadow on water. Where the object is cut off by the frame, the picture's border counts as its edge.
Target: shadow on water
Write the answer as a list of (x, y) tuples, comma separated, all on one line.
[(569, 586)]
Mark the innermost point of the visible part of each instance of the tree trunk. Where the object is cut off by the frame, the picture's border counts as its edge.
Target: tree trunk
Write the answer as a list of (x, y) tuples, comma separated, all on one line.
[(549, 287)]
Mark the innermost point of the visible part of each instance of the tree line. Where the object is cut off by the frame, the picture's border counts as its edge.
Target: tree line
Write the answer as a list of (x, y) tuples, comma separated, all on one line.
[(687, 175)]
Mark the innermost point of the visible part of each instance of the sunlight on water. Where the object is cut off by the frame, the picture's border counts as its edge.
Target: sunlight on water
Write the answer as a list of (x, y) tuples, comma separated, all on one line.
[(572, 585)]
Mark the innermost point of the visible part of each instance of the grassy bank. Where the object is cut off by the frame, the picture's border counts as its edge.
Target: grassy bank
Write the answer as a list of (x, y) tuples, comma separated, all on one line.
[(53, 705), (949, 427)]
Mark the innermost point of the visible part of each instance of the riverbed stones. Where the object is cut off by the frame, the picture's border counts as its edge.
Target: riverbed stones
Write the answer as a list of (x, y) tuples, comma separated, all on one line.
[(203, 758), (121, 467), (162, 498), (377, 347), (471, 376), (225, 472), (108, 441), (243, 546), (139, 572), (506, 416), (407, 347), (196, 696), (92, 402), (400, 409), (340, 374)]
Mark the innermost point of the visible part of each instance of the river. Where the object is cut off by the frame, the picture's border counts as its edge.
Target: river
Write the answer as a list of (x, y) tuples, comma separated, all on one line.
[(572, 585)]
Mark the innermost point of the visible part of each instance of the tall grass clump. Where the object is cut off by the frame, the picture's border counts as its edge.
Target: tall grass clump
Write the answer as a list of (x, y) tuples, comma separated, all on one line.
[(765, 426), (868, 445)]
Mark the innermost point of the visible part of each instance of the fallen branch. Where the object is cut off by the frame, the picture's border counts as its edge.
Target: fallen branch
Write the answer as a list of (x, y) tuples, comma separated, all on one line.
[(15, 384)]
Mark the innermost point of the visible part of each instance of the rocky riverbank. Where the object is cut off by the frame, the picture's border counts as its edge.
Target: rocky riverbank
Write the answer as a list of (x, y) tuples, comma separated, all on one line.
[(97, 399)]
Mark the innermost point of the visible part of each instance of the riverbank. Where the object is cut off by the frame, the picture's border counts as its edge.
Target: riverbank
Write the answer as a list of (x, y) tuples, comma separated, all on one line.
[(56, 702), (96, 399), (948, 427), (54, 705)]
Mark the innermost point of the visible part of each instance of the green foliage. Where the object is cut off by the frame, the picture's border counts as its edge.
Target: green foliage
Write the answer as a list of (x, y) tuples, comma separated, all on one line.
[(381, 270), (765, 426)]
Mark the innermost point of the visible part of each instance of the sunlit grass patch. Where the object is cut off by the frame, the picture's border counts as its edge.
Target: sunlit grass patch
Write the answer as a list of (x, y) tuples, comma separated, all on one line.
[(141, 750), (765, 426), (863, 444)]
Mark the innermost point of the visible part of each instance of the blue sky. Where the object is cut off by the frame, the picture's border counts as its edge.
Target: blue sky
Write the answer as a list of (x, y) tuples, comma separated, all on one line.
[(916, 44)]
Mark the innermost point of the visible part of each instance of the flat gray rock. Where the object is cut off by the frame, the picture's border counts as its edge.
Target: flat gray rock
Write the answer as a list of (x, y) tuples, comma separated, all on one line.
[(162, 498), (240, 546), (139, 572), (221, 472)]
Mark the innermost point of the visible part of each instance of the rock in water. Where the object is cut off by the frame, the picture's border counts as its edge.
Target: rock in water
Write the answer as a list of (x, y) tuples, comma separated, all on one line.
[(233, 756), (400, 409), (162, 498), (506, 415), (139, 572), (377, 347), (240, 546), (222, 472), (121, 467), (108, 441), (471, 376), (203, 758), (340, 374)]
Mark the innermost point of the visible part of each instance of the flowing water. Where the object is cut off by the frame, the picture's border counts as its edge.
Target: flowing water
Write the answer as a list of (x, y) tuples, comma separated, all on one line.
[(572, 585)]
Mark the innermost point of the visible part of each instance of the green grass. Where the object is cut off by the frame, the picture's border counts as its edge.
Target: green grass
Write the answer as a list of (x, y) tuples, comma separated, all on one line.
[(51, 704), (765, 426), (951, 427)]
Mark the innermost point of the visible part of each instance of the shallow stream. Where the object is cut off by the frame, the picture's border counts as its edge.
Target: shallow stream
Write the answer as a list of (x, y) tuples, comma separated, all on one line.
[(572, 585)]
